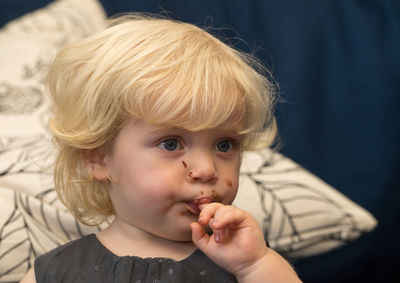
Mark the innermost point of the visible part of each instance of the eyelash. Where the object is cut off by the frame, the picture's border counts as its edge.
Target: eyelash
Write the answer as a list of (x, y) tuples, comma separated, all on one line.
[(179, 144), (233, 144), (236, 143)]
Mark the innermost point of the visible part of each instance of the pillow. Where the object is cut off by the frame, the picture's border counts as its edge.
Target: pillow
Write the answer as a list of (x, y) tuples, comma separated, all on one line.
[(32, 220), (299, 213)]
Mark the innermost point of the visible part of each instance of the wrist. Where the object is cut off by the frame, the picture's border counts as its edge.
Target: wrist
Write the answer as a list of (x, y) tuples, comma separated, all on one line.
[(251, 268), (271, 267)]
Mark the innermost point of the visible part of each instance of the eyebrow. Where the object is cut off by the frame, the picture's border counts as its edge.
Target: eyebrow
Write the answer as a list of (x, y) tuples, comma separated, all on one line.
[(160, 131), (181, 130)]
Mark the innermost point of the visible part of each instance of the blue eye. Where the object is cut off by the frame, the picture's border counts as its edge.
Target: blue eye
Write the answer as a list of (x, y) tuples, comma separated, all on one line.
[(224, 146), (170, 144)]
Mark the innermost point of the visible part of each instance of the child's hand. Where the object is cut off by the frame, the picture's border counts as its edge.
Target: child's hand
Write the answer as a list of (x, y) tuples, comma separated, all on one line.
[(237, 245), (237, 241)]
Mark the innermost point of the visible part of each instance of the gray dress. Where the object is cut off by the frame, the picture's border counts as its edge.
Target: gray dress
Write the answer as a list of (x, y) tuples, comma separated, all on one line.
[(87, 260)]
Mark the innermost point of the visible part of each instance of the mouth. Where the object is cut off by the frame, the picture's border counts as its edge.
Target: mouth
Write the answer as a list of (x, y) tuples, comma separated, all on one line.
[(193, 206)]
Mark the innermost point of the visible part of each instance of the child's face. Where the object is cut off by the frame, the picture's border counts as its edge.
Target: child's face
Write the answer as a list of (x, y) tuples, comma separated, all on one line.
[(160, 176)]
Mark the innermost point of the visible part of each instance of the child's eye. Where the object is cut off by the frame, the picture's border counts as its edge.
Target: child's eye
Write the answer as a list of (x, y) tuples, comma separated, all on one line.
[(170, 144), (224, 146)]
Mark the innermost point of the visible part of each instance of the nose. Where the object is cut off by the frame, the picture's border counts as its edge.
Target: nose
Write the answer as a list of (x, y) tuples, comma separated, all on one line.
[(202, 167)]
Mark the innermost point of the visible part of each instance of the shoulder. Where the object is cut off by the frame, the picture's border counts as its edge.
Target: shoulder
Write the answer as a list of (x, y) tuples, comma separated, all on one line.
[(71, 258), (71, 249)]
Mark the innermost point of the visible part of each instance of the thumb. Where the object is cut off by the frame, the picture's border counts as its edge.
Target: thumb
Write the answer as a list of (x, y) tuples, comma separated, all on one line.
[(199, 237)]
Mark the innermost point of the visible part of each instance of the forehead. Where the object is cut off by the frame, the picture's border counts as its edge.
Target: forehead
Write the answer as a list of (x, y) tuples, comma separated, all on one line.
[(232, 124), (145, 128), (195, 116)]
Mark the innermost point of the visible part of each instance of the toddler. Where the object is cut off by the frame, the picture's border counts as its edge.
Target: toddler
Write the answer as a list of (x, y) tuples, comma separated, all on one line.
[(151, 117)]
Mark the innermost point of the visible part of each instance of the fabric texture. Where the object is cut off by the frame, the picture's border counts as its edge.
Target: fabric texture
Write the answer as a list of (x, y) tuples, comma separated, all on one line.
[(87, 260), (301, 215)]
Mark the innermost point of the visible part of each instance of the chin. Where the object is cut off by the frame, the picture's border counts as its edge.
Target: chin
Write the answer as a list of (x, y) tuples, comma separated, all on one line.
[(180, 235), (184, 236)]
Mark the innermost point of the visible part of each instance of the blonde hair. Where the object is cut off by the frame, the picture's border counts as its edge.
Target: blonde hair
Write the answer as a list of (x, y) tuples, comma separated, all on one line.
[(164, 72)]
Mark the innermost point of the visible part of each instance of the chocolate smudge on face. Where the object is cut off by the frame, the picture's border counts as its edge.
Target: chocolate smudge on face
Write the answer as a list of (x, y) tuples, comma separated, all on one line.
[(216, 196), (184, 164), (228, 183)]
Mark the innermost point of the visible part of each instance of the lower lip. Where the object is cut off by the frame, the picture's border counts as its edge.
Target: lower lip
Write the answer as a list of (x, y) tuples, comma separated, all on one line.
[(194, 205), (193, 209)]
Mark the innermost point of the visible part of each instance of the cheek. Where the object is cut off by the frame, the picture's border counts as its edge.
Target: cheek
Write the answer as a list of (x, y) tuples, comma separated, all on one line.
[(230, 185), (228, 182), (152, 181)]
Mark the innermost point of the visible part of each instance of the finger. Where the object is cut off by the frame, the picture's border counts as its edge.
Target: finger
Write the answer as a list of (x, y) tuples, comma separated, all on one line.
[(199, 236), (218, 234), (201, 239), (229, 217), (208, 211), (210, 215)]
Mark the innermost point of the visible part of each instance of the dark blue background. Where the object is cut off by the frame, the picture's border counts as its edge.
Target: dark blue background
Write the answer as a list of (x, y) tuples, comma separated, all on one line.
[(338, 66)]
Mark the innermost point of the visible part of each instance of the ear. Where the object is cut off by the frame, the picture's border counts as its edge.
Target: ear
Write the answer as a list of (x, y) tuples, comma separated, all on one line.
[(96, 165), (99, 171)]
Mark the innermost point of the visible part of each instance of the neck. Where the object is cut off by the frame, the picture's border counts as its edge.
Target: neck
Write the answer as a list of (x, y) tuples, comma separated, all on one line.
[(123, 239)]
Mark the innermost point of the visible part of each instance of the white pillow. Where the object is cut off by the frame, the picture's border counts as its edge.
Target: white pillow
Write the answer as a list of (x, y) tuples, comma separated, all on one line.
[(32, 220), (300, 214)]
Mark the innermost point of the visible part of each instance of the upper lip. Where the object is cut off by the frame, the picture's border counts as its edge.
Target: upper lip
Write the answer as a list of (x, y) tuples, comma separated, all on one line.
[(202, 200)]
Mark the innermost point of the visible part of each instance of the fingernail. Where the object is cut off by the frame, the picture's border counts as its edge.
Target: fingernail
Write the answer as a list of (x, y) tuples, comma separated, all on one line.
[(201, 219), (217, 237)]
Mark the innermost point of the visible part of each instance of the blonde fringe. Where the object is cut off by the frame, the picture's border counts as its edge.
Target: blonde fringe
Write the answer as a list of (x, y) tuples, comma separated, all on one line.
[(165, 72)]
